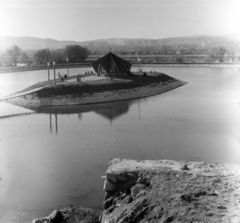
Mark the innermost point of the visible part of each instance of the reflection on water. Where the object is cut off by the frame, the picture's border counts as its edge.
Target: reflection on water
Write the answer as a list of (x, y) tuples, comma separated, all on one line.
[(110, 111), (55, 156)]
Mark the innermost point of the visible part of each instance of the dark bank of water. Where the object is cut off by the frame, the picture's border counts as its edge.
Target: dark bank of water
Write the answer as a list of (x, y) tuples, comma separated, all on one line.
[(55, 157)]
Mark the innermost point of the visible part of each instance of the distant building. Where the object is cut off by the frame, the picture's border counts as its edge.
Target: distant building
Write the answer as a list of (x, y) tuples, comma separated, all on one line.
[(128, 42), (101, 44), (90, 44), (141, 42), (153, 42)]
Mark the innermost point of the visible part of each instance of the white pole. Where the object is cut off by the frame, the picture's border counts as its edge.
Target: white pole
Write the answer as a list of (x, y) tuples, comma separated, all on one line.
[(48, 73), (67, 68), (139, 67), (54, 72)]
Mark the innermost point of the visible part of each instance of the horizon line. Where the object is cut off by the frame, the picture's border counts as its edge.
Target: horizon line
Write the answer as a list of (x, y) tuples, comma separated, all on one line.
[(199, 35)]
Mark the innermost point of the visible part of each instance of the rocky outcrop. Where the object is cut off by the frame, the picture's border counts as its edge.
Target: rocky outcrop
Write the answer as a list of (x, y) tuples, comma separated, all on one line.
[(171, 191), (160, 192), (72, 214)]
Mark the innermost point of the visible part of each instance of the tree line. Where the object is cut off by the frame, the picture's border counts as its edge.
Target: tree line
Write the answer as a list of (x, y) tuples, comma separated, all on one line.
[(227, 51), (71, 53), (216, 52)]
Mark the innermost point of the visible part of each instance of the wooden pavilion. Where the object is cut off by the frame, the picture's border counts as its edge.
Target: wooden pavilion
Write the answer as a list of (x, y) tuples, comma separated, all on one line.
[(110, 64)]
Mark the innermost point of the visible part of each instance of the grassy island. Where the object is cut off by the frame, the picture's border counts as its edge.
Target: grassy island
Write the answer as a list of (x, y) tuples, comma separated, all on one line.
[(88, 89)]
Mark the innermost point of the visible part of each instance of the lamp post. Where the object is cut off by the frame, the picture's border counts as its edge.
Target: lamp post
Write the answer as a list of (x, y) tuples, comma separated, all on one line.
[(48, 73), (67, 68), (138, 60), (54, 72), (139, 67)]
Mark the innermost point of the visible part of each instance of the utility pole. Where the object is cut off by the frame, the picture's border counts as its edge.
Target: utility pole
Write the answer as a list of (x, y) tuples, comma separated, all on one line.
[(67, 68), (48, 73), (54, 72), (139, 67), (138, 60)]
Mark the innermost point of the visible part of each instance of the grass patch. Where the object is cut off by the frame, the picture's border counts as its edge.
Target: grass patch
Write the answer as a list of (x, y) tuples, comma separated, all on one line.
[(79, 88)]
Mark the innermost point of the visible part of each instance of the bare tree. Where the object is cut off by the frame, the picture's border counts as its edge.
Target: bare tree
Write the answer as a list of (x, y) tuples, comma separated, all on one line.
[(76, 53), (24, 58), (13, 54), (58, 56), (233, 51), (219, 53), (43, 56)]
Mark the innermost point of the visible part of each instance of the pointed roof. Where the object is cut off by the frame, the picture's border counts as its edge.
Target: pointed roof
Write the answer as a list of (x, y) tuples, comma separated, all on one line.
[(109, 61), (112, 111)]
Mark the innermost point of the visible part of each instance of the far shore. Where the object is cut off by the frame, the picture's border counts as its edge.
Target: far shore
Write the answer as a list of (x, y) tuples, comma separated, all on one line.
[(93, 89), (87, 64)]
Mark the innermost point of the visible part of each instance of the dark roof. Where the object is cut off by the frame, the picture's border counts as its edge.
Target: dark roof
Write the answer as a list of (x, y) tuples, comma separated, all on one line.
[(113, 110), (108, 62)]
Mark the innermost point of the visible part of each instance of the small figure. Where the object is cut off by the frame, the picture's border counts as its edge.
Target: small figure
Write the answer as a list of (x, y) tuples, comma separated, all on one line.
[(78, 78)]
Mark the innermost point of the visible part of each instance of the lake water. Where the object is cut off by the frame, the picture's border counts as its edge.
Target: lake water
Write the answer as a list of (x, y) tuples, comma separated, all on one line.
[(53, 157)]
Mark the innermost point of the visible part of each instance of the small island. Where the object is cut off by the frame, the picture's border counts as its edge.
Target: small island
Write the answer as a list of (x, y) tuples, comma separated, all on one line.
[(112, 81), (93, 89)]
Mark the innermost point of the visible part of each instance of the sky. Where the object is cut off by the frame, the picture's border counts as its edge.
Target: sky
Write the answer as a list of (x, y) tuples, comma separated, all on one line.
[(83, 20)]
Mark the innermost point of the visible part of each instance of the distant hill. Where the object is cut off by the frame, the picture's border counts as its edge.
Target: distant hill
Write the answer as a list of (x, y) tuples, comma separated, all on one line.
[(34, 43), (194, 39)]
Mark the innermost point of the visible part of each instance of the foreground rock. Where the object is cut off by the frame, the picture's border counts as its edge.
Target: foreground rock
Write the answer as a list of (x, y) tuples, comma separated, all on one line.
[(160, 192), (73, 214), (171, 191)]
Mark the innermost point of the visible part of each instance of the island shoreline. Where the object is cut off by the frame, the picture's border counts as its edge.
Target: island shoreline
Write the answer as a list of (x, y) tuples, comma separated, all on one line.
[(31, 100)]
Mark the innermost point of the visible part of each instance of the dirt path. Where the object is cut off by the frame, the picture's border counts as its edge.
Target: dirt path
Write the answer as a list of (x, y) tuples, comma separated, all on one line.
[(20, 94)]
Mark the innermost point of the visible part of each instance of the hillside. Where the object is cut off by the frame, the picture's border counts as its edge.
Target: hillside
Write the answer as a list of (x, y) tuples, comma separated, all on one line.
[(33, 43)]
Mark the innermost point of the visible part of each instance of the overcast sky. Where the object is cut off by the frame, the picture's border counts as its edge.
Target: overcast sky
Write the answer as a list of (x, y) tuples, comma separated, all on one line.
[(82, 20)]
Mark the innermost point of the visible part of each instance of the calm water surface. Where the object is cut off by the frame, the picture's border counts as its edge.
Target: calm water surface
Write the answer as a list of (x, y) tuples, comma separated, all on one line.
[(55, 157)]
